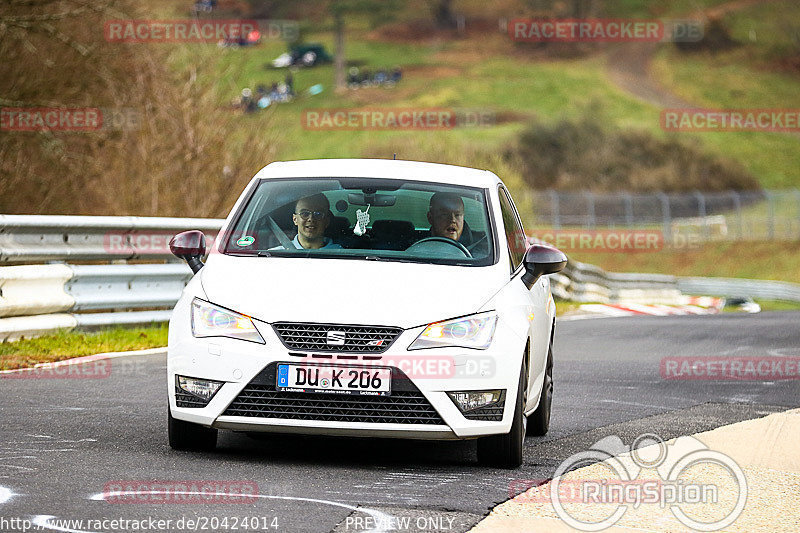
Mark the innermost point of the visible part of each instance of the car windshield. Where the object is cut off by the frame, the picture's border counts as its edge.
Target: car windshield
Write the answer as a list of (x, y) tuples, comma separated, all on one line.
[(364, 218)]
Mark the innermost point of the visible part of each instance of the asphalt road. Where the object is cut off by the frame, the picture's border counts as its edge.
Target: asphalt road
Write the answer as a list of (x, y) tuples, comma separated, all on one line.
[(63, 441)]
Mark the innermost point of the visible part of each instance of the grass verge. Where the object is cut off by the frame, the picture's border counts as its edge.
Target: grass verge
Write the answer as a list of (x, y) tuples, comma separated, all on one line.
[(772, 305), (755, 260), (69, 344)]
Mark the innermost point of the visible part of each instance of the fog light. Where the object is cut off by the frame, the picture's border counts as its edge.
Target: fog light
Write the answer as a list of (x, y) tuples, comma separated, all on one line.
[(202, 388), (470, 400)]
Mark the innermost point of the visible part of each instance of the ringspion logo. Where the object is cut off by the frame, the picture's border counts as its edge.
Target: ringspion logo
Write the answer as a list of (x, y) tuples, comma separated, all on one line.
[(597, 504)]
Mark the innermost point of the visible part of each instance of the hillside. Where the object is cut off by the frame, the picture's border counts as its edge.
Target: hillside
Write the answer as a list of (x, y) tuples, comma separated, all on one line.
[(191, 152)]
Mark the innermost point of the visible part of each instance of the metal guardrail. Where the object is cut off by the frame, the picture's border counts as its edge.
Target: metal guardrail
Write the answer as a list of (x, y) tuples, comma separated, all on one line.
[(39, 289), (30, 238), (582, 282), (35, 299), (734, 288)]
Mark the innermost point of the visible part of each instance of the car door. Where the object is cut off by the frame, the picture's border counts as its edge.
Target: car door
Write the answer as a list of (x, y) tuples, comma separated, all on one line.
[(535, 299)]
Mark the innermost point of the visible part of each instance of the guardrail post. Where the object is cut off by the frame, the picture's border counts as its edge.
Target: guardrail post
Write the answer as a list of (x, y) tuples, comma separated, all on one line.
[(667, 222), (797, 197), (590, 205), (554, 207), (629, 209), (737, 205), (771, 211), (701, 212)]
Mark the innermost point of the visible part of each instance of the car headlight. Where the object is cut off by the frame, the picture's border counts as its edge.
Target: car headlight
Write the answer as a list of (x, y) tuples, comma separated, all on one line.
[(475, 331), (209, 320)]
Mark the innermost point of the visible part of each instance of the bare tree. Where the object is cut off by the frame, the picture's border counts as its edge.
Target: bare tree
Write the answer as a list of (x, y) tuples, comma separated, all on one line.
[(377, 10), (443, 15)]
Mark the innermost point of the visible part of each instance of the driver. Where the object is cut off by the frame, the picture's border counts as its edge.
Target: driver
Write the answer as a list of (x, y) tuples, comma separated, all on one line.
[(312, 216), (446, 215)]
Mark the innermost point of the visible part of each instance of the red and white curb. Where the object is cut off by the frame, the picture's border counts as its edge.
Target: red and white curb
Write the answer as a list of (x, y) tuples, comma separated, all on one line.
[(693, 305)]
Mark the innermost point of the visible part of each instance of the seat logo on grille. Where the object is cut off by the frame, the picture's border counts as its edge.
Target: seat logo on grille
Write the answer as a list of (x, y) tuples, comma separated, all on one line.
[(336, 338)]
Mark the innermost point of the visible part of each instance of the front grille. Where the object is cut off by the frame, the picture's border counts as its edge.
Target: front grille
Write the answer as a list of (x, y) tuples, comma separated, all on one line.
[(314, 337), (406, 405), (184, 399)]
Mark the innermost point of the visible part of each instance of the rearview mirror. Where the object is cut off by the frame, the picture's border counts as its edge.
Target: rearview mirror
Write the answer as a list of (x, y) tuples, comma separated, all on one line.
[(541, 260), (189, 246), (374, 199)]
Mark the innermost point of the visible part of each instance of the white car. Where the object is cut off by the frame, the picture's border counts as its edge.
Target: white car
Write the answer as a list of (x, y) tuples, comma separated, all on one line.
[(375, 298)]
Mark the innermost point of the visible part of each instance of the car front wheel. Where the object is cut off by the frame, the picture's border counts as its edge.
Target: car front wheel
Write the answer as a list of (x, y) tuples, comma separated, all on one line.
[(505, 451), (187, 436)]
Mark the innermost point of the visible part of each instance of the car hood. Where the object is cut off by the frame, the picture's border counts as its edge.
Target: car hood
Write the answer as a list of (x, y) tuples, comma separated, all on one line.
[(347, 291)]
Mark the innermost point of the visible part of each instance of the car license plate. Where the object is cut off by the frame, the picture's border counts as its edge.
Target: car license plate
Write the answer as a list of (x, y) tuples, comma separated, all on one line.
[(360, 380)]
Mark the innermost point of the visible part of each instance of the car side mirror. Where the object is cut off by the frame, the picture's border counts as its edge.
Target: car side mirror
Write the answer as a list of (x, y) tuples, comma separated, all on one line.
[(541, 260), (189, 246)]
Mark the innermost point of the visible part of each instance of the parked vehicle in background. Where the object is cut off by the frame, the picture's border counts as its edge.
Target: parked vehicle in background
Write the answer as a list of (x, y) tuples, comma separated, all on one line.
[(304, 55)]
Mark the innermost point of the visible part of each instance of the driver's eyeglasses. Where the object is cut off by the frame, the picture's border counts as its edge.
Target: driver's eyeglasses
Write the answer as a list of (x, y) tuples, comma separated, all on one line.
[(305, 214)]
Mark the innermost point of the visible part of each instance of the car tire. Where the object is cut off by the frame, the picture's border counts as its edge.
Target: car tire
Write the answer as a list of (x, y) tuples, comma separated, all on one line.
[(187, 436), (539, 420), (505, 451)]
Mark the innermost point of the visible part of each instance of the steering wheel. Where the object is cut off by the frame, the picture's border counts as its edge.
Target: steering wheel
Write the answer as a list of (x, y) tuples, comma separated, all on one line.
[(444, 240), (476, 243)]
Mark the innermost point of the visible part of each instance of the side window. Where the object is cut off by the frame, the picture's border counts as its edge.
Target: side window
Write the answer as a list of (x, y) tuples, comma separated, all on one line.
[(515, 235)]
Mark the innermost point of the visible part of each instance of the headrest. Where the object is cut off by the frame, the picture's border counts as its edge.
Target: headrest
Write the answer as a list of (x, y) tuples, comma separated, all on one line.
[(338, 225)]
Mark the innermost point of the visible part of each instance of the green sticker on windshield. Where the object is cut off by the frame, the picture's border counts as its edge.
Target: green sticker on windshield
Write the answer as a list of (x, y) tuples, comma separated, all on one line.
[(246, 241)]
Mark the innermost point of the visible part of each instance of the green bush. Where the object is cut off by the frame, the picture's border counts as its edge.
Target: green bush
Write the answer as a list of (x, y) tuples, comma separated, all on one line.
[(588, 154)]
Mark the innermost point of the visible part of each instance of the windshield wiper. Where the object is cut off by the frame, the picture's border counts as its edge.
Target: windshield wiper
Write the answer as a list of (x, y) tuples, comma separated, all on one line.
[(389, 259)]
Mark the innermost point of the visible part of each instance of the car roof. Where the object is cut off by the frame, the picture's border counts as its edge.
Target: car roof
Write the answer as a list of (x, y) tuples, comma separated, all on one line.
[(380, 168)]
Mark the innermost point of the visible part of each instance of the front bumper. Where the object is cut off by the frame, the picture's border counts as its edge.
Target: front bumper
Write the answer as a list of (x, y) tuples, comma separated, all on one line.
[(248, 402)]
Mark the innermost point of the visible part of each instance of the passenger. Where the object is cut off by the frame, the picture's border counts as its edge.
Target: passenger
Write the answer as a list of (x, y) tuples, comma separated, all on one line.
[(312, 216)]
